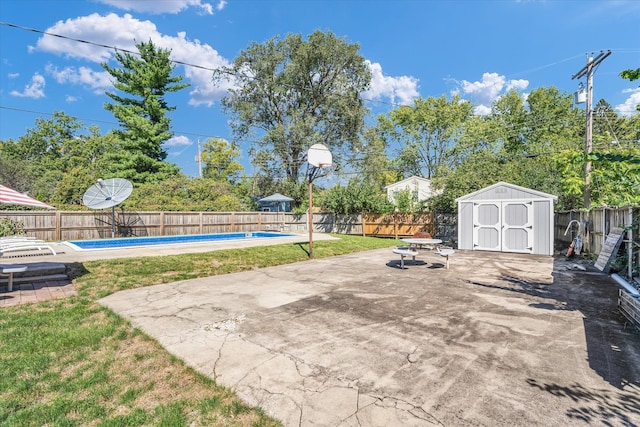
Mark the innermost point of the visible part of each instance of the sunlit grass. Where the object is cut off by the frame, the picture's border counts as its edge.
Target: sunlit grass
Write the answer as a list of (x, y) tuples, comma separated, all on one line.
[(72, 362)]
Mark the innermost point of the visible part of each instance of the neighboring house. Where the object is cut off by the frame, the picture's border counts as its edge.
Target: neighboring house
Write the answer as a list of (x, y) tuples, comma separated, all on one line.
[(419, 187), (275, 203)]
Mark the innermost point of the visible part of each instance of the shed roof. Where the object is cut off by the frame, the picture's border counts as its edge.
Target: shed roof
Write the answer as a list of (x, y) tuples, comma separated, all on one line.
[(490, 192)]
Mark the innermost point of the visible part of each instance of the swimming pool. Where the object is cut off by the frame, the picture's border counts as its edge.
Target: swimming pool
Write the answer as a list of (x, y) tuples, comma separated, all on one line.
[(134, 242)]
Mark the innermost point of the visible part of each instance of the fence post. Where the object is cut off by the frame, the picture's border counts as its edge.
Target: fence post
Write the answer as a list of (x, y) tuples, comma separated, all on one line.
[(395, 225), (58, 226)]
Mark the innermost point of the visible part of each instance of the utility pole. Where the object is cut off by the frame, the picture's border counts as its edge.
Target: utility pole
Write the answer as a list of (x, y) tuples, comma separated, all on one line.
[(199, 160), (588, 71)]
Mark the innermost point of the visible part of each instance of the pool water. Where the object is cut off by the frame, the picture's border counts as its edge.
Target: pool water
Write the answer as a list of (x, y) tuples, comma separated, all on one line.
[(132, 242)]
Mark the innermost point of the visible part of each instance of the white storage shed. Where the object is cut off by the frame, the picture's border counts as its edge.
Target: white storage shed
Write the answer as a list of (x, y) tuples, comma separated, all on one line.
[(506, 218)]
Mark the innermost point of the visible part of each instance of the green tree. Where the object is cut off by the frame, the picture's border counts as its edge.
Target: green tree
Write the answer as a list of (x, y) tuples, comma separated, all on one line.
[(407, 202), (292, 93), (147, 78), (180, 193), (370, 161), (48, 159), (518, 142), (630, 74), (358, 196), (610, 128), (219, 157), (427, 131)]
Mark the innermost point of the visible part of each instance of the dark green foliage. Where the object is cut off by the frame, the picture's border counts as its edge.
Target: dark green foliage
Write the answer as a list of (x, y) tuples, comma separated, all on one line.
[(143, 115)]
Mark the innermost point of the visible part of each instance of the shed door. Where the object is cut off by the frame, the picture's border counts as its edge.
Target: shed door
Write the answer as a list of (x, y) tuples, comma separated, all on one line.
[(503, 226), (487, 225), (517, 227)]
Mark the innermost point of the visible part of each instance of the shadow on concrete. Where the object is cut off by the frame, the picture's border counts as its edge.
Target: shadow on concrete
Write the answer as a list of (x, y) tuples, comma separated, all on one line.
[(407, 263), (612, 349), (600, 407)]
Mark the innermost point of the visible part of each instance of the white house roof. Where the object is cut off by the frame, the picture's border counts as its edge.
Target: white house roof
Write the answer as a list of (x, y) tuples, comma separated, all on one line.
[(409, 181)]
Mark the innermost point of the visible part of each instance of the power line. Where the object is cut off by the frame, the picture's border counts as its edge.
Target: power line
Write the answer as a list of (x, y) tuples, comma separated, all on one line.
[(543, 120), (22, 110)]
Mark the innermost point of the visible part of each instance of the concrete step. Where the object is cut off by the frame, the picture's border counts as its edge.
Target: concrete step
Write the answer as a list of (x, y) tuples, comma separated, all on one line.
[(35, 279), (37, 272)]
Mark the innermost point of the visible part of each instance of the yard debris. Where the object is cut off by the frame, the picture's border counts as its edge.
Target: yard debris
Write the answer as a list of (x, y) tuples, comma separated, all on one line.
[(576, 267)]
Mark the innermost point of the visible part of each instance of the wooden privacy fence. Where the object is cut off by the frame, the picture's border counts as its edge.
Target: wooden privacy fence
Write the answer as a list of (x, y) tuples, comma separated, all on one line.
[(595, 225), (398, 224), (82, 225)]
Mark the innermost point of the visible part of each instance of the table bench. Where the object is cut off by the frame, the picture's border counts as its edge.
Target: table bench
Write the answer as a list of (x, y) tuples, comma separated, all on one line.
[(445, 252), (404, 252), (8, 270)]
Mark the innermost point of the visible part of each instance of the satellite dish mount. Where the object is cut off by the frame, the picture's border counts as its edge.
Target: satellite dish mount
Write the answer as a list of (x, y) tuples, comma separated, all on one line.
[(108, 194)]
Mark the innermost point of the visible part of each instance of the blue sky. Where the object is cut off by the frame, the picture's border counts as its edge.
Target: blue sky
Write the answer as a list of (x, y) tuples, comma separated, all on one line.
[(415, 48)]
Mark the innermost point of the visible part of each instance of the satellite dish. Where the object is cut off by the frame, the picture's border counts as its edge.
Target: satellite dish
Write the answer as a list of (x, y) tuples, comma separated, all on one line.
[(319, 156), (108, 194)]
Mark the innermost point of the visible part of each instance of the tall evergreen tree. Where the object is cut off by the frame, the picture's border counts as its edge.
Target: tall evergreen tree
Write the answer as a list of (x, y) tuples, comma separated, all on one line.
[(147, 78)]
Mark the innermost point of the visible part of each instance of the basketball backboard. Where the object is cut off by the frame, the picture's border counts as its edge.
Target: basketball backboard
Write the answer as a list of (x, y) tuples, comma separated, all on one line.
[(319, 156)]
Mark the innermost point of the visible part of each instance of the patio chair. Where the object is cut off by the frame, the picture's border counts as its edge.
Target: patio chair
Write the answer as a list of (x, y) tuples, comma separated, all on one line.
[(25, 246)]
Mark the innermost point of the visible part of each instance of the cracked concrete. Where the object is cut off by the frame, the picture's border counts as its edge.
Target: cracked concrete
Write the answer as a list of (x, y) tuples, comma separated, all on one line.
[(498, 339)]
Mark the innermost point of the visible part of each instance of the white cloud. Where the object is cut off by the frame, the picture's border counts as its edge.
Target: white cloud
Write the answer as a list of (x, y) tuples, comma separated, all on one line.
[(178, 141), (35, 89), (70, 98), (628, 108), (123, 32), (13, 75), (98, 81), (483, 93), (481, 110), (109, 30), (164, 6), (403, 89)]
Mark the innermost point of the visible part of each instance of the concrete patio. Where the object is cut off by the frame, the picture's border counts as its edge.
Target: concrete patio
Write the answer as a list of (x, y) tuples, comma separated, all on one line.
[(498, 339)]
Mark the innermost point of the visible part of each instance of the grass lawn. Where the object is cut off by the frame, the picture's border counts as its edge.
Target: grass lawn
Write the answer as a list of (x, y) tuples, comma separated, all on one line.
[(72, 362)]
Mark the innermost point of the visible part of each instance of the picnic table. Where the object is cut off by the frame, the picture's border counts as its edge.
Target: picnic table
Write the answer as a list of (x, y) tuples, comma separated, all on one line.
[(420, 242)]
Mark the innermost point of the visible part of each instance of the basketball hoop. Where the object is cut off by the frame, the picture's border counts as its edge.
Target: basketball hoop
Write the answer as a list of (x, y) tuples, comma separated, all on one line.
[(319, 157)]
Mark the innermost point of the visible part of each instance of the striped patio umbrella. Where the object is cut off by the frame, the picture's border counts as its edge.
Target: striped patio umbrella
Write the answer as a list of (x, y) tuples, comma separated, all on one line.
[(12, 197)]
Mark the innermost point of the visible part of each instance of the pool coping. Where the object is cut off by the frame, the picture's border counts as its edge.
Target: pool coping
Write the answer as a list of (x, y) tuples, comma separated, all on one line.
[(184, 239)]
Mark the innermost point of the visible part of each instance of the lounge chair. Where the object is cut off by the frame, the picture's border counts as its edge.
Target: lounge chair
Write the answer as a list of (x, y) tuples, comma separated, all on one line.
[(14, 239), (25, 246)]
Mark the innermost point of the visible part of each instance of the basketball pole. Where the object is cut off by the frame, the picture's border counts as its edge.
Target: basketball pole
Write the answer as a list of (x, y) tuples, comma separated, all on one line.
[(311, 213), (318, 157), (313, 172)]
